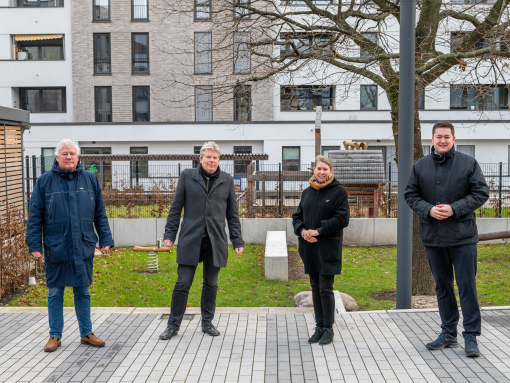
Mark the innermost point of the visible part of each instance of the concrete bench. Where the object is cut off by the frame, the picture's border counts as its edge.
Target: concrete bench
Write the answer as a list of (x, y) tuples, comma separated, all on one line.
[(276, 256)]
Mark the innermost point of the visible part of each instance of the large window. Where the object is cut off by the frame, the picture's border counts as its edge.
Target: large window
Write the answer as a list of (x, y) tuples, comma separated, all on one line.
[(102, 169), (240, 166), (307, 97), (102, 53), (479, 97), (203, 103), (467, 149), (203, 53), (202, 10), (291, 156), (368, 97), (139, 169), (49, 47), (101, 10), (141, 104), (43, 100), (304, 43), (242, 54), (457, 38), (242, 103), (139, 10), (103, 103), (140, 53), (241, 12), (371, 36), (48, 156), (39, 3)]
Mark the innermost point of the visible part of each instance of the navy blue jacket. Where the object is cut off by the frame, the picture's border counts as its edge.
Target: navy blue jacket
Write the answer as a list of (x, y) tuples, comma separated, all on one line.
[(455, 179), (65, 207)]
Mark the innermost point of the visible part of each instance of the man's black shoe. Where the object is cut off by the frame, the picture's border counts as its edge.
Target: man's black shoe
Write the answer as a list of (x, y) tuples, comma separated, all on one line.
[(471, 347), (444, 340), (168, 333), (316, 335), (210, 329), (327, 336)]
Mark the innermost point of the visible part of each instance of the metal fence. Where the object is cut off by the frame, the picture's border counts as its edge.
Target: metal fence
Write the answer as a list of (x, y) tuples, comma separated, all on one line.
[(144, 189)]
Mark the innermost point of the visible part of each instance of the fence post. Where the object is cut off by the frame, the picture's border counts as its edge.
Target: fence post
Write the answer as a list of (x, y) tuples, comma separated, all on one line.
[(389, 189), (136, 172), (27, 180), (280, 190), (43, 164), (179, 168), (34, 171), (500, 187)]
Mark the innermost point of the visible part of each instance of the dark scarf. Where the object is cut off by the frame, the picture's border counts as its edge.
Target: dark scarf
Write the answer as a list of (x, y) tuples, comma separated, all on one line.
[(208, 178), (441, 158)]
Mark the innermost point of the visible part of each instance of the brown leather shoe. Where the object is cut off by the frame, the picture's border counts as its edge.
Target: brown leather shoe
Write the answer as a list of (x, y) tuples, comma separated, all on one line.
[(92, 340), (52, 344)]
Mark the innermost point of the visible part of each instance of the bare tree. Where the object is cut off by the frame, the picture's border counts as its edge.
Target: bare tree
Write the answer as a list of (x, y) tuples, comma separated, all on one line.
[(352, 42)]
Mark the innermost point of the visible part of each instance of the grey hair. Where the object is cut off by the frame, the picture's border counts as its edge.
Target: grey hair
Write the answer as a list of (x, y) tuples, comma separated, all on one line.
[(66, 143), (211, 145)]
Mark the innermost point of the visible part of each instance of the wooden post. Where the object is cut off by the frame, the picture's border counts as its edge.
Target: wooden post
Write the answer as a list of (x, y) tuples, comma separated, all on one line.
[(318, 117)]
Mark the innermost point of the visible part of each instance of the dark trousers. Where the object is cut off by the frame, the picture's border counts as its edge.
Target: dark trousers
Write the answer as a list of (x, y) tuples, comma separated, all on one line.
[(323, 299), (185, 276), (443, 261)]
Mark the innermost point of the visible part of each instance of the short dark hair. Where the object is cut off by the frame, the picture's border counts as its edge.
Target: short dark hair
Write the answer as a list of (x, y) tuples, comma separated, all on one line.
[(443, 124)]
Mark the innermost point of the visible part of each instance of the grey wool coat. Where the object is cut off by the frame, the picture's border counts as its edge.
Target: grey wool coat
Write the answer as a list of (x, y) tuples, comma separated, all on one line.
[(203, 211)]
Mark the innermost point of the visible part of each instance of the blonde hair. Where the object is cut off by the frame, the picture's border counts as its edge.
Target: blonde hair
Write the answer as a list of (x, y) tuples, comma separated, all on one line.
[(211, 145), (323, 159), (66, 143)]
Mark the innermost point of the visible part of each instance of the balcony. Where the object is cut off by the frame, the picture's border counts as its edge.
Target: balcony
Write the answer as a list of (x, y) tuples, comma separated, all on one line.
[(102, 66), (37, 3), (38, 47), (141, 66)]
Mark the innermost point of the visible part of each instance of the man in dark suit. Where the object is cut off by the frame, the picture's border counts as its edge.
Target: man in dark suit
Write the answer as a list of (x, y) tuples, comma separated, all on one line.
[(444, 189), (208, 198)]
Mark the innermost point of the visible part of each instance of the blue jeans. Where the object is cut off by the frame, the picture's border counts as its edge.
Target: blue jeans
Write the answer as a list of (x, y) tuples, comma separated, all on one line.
[(56, 310)]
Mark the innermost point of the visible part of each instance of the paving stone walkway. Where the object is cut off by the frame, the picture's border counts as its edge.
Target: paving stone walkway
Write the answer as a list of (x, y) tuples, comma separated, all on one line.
[(255, 345)]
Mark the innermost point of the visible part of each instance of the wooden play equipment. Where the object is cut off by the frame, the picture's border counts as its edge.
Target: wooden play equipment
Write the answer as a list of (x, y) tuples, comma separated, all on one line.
[(361, 172), (152, 255)]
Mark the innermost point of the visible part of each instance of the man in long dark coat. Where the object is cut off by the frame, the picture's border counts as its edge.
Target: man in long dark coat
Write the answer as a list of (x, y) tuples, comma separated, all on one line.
[(208, 198), (66, 206), (444, 189)]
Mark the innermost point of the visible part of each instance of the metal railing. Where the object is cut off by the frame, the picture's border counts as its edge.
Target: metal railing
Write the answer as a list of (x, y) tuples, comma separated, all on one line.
[(141, 66), (144, 189), (140, 12), (102, 66)]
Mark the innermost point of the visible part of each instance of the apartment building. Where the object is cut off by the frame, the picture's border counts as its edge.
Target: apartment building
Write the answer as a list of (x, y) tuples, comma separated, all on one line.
[(142, 80)]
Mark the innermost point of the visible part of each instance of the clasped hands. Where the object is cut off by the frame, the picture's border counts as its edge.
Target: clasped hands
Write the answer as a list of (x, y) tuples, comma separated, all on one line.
[(309, 235), (441, 212), (168, 243)]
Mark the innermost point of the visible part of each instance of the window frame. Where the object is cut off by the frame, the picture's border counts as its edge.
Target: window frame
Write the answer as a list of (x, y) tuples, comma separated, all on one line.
[(133, 12), (210, 88), (96, 111), (94, 19), (133, 73), (43, 163), (94, 46), (246, 89), (312, 89), (236, 52), (365, 86), (364, 54), (285, 163), (196, 150), (241, 164), (197, 54), (41, 88), (287, 50), (141, 164), (242, 16), (134, 88), (195, 12)]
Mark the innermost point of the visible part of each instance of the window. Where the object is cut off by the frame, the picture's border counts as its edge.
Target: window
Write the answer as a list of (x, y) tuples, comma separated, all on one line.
[(39, 3), (291, 158), (102, 169), (101, 10), (426, 149), (240, 166), (48, 156), (457, 39), (202, 10), (305, 43), (368, 99), (371, 36), (203, 53), (242, 103), (141, 104), (242, 54), (140, 53), (103, 102), (140, 168), (51, 47), (102, 53), (326, 149), (139, 10), (203, 103), (479, 97), (421, 100), (43, 100), (240, 12), (196, 150), (307, 97), (467, 149)]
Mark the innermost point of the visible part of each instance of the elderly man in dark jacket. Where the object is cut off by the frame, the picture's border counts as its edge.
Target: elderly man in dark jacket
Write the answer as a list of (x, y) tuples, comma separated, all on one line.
[(444, 189), (66, 206), (208, 198)]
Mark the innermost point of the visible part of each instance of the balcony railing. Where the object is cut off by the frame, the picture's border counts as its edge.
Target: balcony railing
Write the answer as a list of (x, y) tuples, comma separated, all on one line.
[(140, 12), (38, 3), (141, 66), (102, 66), (104, 116), (141, 116), (101, 13)]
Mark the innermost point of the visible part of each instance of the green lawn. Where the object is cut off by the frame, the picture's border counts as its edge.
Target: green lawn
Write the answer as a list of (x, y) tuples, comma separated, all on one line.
[(120, 280)]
